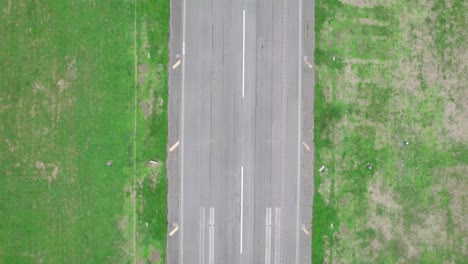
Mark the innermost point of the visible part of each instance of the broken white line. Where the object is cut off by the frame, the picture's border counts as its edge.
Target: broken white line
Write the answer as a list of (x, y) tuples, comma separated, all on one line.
[(242, 207), (243, 51)]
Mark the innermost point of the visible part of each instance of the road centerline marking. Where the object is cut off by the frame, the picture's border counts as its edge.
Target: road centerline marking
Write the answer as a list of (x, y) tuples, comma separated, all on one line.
[(242, 208), (243, 52), (211, 238)]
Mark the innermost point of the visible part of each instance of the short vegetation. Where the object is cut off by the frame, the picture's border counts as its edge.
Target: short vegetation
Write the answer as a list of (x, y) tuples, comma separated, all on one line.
[(391, 129), (70, 85)]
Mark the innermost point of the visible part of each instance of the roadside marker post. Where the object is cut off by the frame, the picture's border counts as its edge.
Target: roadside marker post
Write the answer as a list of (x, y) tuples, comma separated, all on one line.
[(176, 65), (174, 231), (306, 146), (174, 146)]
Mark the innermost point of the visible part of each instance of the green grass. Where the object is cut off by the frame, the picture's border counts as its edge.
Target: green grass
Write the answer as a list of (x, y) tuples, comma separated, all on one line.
[(153, 19), (377, 93), (67, 104)]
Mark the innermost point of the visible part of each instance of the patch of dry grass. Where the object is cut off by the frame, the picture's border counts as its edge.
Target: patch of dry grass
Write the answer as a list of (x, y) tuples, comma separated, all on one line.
[(385, 77)]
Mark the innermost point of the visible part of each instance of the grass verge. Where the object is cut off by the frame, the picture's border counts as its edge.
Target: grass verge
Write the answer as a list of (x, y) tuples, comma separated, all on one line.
[(67, 108), (390, 72)]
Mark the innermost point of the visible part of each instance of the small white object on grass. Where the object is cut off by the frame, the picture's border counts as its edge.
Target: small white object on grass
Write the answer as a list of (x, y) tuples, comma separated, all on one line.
[(333, 58), (322, 168), (154, 163), (331, 225), (149, 55)]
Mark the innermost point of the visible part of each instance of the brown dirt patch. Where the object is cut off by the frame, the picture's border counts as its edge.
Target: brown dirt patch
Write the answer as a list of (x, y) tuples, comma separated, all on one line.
[(38, 87), (456, 120), (457, 185), (141, 79), (380, 195), (7, 9), (367, 3), (147, 107), (39, 165), (350, 76), (142, 73), (47, 171), (159, 105), (367, 21), (69, 76), (11, 147), (53, 176), (324, 189), (62, 84), (143, 68), (71, 70), (155, 256)]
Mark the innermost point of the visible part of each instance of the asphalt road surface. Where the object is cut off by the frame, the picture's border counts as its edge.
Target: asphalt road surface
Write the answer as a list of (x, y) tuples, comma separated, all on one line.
[(240, 154)]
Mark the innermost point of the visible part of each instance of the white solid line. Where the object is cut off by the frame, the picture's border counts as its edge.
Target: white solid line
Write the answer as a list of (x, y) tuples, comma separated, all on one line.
[(242, 208), (277, 234), (211, 216), (299, 131), (211, 255), (201, 258), (243, 52), (181, 245), (267, 235), (212, 230)]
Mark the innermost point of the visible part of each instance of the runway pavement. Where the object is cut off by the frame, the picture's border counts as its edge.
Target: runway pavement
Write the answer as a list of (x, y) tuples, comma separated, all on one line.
[(240, 152)]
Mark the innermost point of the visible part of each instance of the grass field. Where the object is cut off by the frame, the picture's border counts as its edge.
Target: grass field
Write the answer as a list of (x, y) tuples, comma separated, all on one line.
[(68, 104), (390, 71)]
